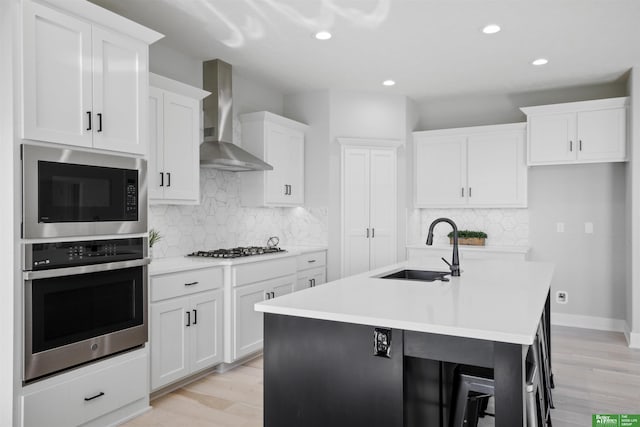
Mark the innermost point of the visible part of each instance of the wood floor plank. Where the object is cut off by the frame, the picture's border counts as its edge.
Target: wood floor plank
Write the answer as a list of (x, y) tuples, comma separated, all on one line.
[(594, 371)]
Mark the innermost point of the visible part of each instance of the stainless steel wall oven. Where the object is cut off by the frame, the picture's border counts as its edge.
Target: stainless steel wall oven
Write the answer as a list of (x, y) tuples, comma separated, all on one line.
[(70, 193), (82, 301)]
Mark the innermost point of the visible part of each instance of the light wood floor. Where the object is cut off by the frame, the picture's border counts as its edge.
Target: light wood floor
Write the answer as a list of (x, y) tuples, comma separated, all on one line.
[(595, 372)]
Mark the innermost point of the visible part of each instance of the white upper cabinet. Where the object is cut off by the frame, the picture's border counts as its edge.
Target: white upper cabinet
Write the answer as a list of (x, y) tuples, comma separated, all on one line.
[(174, 141), (480, 166), (85, 84), (577, 132), (280, 142)]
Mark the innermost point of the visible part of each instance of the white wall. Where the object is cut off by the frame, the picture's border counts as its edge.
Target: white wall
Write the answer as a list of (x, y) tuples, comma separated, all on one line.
[(174, 64), (495, 108), (9, 257), (590, 267)]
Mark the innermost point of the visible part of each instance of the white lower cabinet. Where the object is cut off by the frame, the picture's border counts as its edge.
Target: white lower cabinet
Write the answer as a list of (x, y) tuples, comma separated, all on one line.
[(186, 327), (253, 282), (248, 323), (312, 270), (88, 394)]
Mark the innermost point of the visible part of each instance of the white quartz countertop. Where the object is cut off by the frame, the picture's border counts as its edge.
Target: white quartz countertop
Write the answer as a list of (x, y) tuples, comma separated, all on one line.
[(492, 300), (184, 263), (471, 248)]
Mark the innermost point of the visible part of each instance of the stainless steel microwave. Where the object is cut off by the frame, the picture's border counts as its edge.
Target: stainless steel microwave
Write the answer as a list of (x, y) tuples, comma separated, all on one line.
[(69, 193)]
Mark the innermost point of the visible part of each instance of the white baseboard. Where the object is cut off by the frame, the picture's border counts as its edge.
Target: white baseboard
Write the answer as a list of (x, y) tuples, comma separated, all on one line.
[(633, 338), (588, 322)]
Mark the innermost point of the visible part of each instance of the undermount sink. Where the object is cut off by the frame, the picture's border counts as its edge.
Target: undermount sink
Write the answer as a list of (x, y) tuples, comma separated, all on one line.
[(421, 275)]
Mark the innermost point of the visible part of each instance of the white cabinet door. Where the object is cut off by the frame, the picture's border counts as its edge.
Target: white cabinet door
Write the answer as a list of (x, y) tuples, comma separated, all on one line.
[(319, 276), (552, 138), (283, 286), (169, 341), (602, 135), (206, 329), (496, 170), (277, 155), (156, 144), (57, 77), (181, 147), (120, 83), (285, 152), (248, 323), (382, 215), (295, 170), (440, 170), (303, 282), (355, 199)]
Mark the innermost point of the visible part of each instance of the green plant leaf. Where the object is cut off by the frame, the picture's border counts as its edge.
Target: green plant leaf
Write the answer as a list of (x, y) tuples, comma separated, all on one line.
[(467, 234)]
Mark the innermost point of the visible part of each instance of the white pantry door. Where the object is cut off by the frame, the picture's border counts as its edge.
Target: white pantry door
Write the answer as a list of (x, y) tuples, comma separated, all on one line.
[(383, 195), (356, 183)]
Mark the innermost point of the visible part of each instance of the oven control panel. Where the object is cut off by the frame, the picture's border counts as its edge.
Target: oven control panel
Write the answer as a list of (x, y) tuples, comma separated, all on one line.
[(42, 256)]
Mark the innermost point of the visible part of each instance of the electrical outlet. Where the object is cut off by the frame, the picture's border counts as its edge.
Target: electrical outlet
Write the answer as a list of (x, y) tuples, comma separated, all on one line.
[(562, 297), (560, 227), (588, 227), (382, 342)]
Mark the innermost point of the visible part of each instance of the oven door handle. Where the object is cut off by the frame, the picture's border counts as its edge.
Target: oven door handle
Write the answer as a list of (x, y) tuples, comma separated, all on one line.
[(84, 269)]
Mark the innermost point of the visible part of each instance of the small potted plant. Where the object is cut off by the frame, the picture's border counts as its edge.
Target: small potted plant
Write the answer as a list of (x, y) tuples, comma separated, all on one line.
[(466, 237), (154, 237)]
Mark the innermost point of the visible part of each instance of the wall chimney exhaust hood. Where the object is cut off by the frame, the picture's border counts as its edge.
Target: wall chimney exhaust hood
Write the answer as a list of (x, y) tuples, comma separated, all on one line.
[(217, 151)]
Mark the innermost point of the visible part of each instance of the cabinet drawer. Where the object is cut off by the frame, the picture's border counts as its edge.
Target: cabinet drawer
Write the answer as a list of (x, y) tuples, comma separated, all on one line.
[(66, 404), (185, 283), (312, 260), (261, 271)]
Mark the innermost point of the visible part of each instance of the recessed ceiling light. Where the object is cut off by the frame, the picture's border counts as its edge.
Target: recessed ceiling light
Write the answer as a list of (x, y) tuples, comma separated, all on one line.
[(540, 61), (388, 82), (323, 35), (491, 29)]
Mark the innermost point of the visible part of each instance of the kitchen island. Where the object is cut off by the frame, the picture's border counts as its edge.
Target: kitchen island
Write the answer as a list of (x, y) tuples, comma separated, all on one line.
[(319, 362)]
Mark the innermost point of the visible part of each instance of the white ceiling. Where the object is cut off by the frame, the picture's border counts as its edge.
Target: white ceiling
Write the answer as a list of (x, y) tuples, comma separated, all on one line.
[(429, 47)]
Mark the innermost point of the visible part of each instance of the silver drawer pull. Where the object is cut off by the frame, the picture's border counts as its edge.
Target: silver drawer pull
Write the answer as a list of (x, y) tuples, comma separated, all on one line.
[(87, 399), (191, 284), (311, 260)]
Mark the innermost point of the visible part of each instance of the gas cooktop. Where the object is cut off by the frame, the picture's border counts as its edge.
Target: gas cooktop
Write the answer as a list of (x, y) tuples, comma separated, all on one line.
[(237, 252)]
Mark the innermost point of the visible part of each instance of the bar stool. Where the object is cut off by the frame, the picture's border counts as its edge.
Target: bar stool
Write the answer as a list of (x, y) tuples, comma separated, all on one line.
[(474, 385)]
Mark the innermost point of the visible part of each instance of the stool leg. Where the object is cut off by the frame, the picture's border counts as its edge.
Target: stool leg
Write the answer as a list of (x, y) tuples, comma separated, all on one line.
[(545, 368), (459, 406)]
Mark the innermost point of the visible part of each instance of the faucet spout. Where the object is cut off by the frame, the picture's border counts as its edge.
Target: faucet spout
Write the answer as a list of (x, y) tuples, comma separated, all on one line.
[(455, 262)]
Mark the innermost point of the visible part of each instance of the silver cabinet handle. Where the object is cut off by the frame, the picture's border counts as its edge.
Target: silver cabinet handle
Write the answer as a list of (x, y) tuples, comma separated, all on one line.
[(83, 269), (286, 190), (580, 145), (89, 116), (469, 191), (188, 319), (311, 283), (191, 284), (570, 145), (161, 179), (168, 179), (367, 233), (373, 233), (99, 122), (462, 192), (311, 261), (195, 316)]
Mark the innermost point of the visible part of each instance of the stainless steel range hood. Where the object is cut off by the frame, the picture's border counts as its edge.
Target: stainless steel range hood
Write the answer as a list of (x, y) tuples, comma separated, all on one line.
[(217, 151)]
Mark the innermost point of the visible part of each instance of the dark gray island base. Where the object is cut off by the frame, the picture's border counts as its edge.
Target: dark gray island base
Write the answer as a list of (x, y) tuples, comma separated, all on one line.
[(320, 373)]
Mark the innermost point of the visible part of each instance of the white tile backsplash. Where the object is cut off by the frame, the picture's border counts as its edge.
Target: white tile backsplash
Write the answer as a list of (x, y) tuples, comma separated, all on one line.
[(504, 227), (220, 222)]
